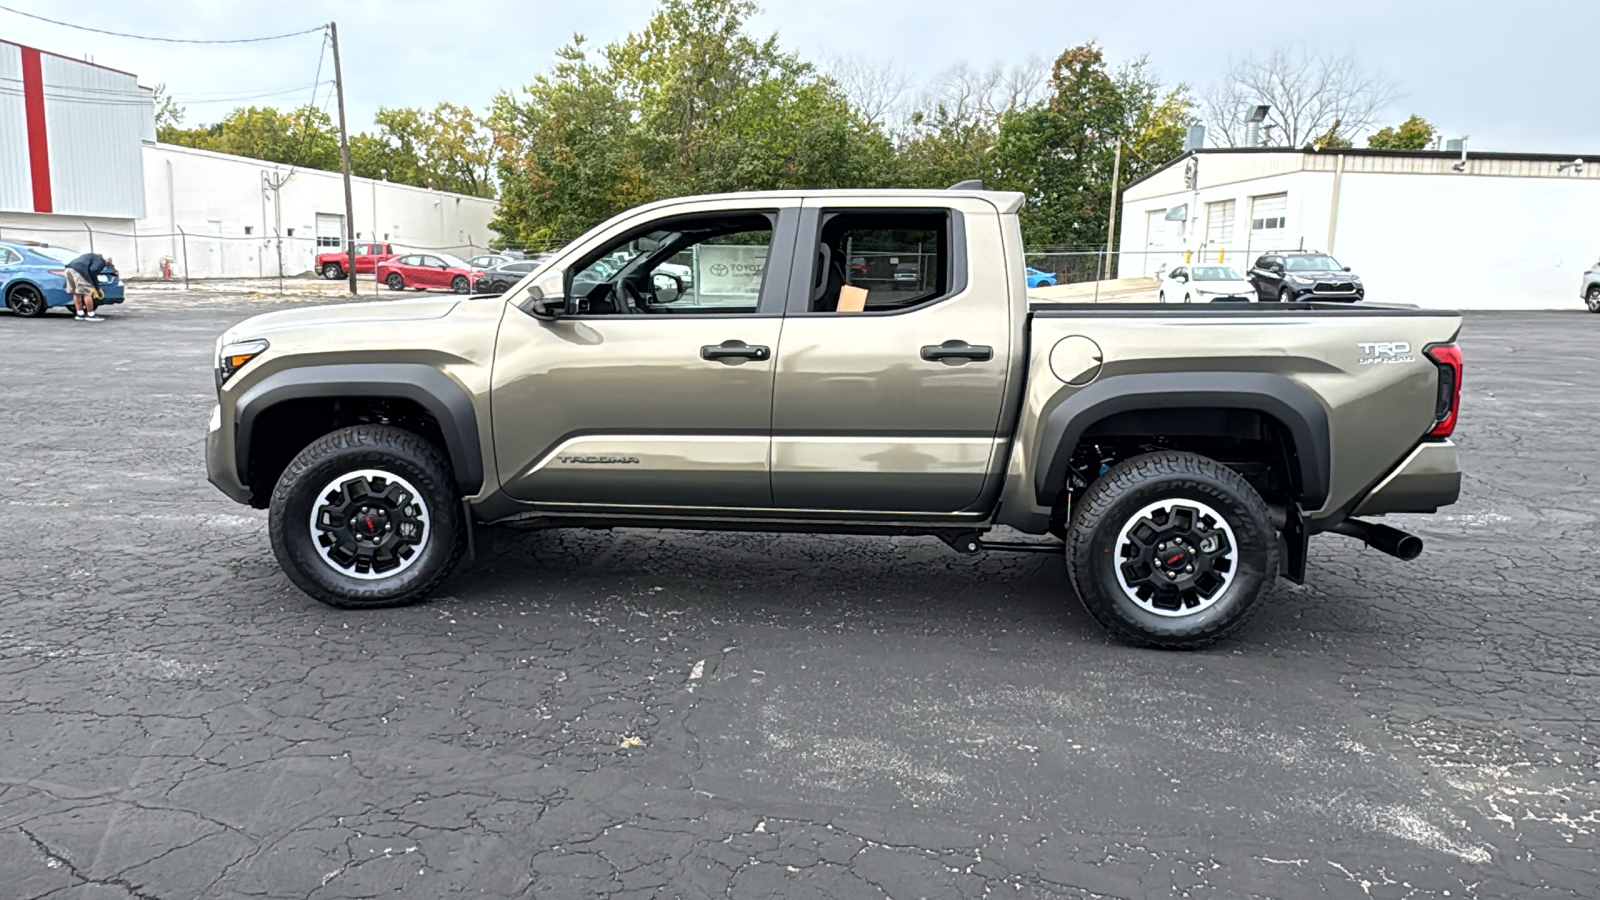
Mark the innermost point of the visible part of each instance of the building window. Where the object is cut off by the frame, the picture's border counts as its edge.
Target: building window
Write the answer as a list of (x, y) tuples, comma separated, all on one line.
[(291, 232), (249, 229), (1269, 222)]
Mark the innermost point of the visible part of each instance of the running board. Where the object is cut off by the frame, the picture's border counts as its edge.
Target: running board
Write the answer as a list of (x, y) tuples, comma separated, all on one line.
[(968, 543)]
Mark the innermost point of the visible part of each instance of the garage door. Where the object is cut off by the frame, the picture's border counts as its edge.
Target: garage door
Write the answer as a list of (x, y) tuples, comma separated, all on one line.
[(1155, 230), (1269, 222), (330, 230), (1219, 226)]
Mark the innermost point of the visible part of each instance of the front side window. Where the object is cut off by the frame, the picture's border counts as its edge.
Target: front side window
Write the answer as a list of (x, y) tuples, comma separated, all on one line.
[(880, 261), (696, 265)]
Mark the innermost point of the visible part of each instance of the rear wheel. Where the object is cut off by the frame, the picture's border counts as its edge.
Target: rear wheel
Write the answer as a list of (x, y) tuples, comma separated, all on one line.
[(27, 301), (332, 272), (1593, 298), (395, 282), (1171, 550), (367, 516), (460, 285)]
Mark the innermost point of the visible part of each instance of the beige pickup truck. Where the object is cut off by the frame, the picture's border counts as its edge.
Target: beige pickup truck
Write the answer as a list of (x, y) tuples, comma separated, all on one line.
[(839, 362)]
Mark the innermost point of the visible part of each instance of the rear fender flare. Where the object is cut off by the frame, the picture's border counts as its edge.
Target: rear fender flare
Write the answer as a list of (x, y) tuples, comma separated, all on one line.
[(444, 399), (1276, 396)]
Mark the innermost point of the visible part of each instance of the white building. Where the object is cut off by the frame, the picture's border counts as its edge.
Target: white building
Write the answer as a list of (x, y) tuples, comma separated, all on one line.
[(1501, 231), (80, 168)]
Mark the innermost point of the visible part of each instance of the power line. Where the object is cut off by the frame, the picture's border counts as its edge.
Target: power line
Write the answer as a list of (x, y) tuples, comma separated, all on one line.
[(167, 40)]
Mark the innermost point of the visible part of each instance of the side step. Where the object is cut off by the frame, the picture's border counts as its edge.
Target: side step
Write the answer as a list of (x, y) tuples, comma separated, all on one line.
[(968, 543)]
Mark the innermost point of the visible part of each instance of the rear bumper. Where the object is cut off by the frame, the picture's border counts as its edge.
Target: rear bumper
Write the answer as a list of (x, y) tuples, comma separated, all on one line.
[(1428, 479), (219, 460)]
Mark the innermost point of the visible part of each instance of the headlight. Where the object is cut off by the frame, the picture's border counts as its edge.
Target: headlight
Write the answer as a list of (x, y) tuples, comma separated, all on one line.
[(233, 357), (1301, 279)]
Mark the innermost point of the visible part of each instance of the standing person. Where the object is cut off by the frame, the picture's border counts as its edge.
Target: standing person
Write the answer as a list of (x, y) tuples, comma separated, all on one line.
[(83, 283)]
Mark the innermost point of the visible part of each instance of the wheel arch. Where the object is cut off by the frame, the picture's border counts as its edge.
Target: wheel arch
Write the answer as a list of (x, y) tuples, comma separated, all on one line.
[(418, 386), (1302, 418)]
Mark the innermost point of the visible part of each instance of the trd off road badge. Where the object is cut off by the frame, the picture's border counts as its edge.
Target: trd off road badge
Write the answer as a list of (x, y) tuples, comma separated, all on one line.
[(1385, 353)]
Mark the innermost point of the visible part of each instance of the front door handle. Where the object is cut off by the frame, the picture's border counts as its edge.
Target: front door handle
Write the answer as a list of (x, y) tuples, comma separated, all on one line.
[(951, 353), (734, 352)]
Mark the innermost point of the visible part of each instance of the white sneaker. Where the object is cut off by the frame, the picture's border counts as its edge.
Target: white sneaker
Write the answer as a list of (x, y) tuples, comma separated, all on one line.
[(78, 316), (94, 317)]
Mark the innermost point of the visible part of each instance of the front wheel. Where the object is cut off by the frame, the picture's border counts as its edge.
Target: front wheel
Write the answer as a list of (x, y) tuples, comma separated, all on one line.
[(332, 272), (1171, 550), (459, 284), (27, 301), (367, 516), (1286, 296), (1593, 298), (395, 282)]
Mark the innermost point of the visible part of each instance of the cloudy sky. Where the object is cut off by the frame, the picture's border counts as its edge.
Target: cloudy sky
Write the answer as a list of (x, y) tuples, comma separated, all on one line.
[(1513, 77)]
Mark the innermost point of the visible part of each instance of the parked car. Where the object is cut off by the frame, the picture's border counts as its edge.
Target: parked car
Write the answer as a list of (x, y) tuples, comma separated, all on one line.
[(1182, 457), (1039, 277), (1205, 284), (1304, 275), (490, 260), (499, 279), (332, 264), (1590, 292), (33, 279), (423, 271)]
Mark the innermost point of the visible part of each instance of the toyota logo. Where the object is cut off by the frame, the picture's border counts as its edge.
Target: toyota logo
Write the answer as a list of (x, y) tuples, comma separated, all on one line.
[(719, 269)]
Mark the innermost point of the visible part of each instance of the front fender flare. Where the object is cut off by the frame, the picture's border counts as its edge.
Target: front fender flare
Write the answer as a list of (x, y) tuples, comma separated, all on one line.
[(444, 399), (1273, 395)]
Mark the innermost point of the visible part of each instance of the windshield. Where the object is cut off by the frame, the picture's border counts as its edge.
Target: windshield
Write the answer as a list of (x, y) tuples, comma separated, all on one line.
[(1217, 273), (454, 262), (1318, 263), (59, 254)]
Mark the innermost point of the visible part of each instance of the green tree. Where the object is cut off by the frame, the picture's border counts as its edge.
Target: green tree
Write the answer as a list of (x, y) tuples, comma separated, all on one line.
[(305, 137), (1061, 153), (1413, 134), (691, 103), (449, 148), (169, 115)]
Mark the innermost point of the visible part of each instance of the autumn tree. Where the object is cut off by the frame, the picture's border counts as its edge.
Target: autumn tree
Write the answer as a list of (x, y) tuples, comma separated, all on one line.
[(1061, 153), (448, 148), (1413, 134), (691, 103), (304, 137)]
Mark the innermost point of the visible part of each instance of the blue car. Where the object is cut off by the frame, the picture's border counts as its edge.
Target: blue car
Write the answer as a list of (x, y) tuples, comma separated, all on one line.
[(34, 279), (1037, 278)]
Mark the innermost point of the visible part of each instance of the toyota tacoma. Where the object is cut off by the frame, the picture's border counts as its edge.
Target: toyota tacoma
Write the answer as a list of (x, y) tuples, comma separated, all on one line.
[(1179, 458)]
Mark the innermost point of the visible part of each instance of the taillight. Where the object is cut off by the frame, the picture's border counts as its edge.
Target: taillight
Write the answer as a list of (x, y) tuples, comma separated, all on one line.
[(1447, 408)]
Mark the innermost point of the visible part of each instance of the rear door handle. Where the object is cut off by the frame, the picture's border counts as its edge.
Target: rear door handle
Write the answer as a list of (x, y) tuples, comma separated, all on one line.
[(733, 352), (950, 352)]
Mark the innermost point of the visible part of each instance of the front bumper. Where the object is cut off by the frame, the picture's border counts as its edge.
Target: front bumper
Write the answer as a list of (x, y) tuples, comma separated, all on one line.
[(219, 460), (1428, 479)]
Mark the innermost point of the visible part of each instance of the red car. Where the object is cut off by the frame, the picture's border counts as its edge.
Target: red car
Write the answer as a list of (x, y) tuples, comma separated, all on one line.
[(332, 265), (428, 270)]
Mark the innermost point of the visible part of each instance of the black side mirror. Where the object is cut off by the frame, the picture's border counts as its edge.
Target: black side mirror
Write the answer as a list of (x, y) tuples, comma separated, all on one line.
[(1347, 268), (667, 288)]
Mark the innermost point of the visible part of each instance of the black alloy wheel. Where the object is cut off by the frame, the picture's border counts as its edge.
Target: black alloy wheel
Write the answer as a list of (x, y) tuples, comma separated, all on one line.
[(460, 285), (395, 282), (27, 301)]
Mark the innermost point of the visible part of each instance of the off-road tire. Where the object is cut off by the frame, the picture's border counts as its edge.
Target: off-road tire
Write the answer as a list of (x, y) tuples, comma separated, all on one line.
[(332, 272), (1110, 503), (353, 449)]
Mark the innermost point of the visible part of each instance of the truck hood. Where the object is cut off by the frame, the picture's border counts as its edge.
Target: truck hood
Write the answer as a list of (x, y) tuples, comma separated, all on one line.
[(342, 313)]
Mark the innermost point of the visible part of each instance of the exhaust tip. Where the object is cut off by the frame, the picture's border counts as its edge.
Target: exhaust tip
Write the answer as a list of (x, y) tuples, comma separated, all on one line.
[(1408, 547)]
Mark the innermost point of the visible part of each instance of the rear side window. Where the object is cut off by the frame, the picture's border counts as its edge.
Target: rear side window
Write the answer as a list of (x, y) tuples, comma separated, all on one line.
[(881, 261)]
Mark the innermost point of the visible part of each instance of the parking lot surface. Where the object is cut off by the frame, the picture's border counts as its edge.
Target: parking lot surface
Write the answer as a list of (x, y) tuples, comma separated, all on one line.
[(661, 714)]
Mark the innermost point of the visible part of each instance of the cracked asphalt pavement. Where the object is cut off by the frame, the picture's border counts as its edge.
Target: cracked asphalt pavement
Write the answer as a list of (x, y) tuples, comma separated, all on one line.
[(672, 714)]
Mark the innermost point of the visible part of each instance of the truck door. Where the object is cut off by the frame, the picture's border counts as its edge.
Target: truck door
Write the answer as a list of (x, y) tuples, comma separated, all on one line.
[(892, 367), (654, 389)]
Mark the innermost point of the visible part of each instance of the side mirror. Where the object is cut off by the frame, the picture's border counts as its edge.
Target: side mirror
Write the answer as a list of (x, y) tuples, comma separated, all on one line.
[(1347, 268), (548, 299), (667, 288)]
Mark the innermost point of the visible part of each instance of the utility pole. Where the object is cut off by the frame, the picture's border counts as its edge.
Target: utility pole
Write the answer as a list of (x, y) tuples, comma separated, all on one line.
[(274, 182), (344, 162), (1111, 230)]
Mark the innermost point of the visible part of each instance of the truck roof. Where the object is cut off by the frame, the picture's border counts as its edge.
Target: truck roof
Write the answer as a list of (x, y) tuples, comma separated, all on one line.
[(1004, 201)]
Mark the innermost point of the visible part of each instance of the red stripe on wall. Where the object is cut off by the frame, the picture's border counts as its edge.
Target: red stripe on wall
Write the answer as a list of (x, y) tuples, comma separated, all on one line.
[(38, 145)]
